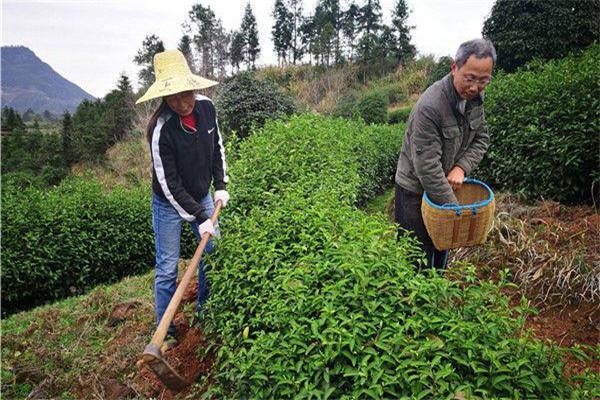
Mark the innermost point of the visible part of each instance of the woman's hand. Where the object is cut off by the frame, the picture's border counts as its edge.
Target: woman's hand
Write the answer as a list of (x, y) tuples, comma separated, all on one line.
[(206, 227), (456, 178), (222, 195)]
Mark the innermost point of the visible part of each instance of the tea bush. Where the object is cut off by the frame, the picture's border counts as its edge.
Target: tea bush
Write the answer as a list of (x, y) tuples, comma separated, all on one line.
[(312, 298), (372, 108), (399, 115), (64, 241), (244, 101), (544, 129)]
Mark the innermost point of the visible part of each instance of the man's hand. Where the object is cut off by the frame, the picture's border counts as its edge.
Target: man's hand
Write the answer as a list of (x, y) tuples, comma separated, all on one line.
[(456, 177)]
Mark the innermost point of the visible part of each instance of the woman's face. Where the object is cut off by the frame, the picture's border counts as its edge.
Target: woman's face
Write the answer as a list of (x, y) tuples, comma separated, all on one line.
[(182, 103)]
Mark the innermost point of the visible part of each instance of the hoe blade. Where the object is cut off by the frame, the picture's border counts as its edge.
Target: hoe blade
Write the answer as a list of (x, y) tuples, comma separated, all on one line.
[(162, 369)]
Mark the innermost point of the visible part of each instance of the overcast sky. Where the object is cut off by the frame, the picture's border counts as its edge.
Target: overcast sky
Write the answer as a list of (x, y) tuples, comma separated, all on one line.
[(91, 42)]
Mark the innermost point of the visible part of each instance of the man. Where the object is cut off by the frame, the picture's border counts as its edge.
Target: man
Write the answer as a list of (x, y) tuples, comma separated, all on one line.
[(446, 138)]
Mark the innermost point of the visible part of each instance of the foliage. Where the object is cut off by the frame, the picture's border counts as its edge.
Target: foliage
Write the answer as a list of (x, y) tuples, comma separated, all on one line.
[(61, 242), (249, 31), (244, 101), (440, 70), (313, 298), (527, 29), (210, 41), (399, 115), (544, 129), (33, 152), (151, 45), (372, 108)]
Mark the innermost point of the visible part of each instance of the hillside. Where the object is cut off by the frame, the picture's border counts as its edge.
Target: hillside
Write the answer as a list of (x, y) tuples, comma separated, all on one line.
[(28, 82)]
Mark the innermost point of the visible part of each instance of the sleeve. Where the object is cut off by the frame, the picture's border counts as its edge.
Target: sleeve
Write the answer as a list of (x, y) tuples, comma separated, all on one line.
[(165, 167), (219, 167), (476, 150), (426, 150)]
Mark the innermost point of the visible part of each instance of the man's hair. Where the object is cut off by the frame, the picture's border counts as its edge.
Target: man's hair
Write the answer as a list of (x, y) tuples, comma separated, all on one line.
[(480, 48)]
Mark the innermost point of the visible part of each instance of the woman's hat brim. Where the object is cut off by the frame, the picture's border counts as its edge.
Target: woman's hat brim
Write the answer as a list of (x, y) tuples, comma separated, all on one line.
[(174, 85)]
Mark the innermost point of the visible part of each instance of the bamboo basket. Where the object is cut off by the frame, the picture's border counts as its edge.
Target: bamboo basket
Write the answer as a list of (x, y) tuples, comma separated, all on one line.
[(466, 224)]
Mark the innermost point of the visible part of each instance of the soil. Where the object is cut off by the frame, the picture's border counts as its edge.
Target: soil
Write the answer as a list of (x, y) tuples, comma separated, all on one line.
[(566, 319)]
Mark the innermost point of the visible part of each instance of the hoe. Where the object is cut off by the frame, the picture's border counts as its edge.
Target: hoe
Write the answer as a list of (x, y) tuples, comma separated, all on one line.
[(152, 355)]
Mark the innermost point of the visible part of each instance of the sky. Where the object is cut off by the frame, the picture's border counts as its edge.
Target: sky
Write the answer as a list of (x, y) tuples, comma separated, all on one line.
[(92, 42)]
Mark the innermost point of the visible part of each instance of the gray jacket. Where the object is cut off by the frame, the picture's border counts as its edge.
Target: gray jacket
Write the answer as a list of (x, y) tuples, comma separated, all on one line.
[(440, 136)]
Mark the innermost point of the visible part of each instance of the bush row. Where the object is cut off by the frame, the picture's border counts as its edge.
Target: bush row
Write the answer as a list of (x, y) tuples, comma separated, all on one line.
[(64, 241), (312, 298), (544, 129)]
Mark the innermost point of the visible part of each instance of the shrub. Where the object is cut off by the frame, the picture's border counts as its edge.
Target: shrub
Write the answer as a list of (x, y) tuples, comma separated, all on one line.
[(372, 108), (329, 301), (544, 129), (399, 115), (245, 101), (441, 69), (64, 241)]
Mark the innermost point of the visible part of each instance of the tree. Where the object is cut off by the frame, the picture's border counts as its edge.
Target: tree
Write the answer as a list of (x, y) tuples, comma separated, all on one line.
[(120, 110), (350, 28), (236, 49), (203, 27), (11, 119), (527, 29), (282, 31), (404, 50), (185, 47), (297, 48), (29, 115), (249, 30), (90, 133), (145, 58), (66, 133)]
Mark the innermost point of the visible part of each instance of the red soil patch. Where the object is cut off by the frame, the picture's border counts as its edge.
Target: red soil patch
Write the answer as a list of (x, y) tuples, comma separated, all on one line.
[(184, 358)]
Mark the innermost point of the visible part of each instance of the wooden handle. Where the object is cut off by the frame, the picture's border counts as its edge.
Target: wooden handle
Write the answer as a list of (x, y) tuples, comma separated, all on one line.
[(161, 331)]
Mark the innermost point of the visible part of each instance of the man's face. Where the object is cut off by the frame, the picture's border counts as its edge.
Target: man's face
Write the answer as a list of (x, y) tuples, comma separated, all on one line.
[(470, 79)]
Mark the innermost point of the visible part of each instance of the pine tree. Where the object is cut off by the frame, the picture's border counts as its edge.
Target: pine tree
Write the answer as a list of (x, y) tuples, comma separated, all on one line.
[(350, 28), (404, 50), (185, 47), (236, 49), (145, 58), (282, 31), (120, 110), (204, 28), (66, 132), (250, 31), (297, 48)]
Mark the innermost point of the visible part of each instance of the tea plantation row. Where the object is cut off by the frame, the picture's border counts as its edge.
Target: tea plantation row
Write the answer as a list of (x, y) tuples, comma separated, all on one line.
[(329, 299)]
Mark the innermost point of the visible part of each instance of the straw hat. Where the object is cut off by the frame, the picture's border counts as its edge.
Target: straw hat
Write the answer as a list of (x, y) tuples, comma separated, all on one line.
[(173, 75)]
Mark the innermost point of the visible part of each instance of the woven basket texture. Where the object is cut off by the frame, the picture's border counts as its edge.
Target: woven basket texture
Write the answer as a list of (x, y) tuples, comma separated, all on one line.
[(450, 229)]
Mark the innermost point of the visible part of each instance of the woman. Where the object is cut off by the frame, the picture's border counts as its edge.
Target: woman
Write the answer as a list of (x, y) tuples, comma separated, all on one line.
[(187, 155)]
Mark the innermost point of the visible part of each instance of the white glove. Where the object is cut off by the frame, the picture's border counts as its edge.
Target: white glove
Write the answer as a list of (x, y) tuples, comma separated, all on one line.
[(206, 227), (222, 195)]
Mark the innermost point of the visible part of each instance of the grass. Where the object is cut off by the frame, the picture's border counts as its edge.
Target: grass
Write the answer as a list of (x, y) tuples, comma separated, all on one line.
[(73, 345)]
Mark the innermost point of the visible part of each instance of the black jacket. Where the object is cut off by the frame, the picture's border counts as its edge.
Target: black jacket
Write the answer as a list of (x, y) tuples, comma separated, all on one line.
[(184, 163)]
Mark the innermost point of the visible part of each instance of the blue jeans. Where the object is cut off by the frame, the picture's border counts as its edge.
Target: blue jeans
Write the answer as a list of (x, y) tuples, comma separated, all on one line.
[(167, 223)]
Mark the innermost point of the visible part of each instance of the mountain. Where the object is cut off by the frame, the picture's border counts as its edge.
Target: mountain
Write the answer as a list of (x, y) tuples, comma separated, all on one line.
[(28, 82)]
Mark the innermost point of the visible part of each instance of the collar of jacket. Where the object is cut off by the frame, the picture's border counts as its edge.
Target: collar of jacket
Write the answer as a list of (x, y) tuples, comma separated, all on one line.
[(453, 96)]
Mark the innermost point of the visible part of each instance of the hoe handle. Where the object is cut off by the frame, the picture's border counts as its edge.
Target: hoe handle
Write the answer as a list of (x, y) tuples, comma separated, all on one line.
[(161, 331)]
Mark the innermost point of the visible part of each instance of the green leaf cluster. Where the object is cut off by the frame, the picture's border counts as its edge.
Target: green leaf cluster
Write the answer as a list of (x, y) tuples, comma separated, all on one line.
[(372, 108), (313, 298), (544, 129), (399, 115), (60, 242), (245, 101)]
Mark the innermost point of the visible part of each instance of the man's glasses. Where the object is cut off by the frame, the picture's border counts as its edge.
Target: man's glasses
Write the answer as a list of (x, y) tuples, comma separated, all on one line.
[(469, 80)]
